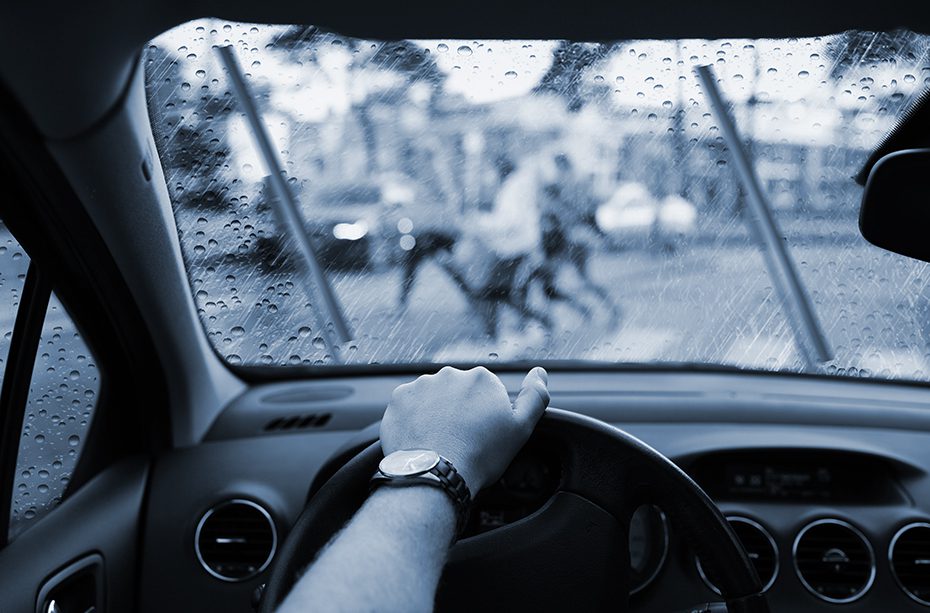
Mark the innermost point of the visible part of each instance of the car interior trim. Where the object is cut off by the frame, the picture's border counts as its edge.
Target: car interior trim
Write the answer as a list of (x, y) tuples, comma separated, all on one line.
[(662, 557), (209, 513), (894, 573), (839, 522), (768, 536)]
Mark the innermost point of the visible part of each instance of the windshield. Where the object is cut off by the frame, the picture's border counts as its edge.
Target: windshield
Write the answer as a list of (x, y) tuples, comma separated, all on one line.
[(500, 201)]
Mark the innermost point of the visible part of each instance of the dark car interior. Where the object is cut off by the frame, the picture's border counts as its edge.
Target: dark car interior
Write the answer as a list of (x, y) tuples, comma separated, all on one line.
[(207, 485)]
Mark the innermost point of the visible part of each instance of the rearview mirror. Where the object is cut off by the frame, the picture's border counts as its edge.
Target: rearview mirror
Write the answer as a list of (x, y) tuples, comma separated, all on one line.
[(895, 211)]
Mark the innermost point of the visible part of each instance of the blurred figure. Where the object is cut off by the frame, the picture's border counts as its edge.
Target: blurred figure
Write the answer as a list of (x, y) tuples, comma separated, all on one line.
[(432, 244), (570, 234), (509, 233), (500, 247), (487, 254), (426, 229), (554, 246)]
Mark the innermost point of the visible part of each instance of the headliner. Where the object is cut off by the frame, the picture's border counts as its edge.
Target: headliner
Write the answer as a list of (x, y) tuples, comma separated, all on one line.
[(68, 63)]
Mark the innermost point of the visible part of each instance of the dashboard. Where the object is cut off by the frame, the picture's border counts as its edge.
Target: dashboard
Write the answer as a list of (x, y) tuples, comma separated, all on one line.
[(823, 481)]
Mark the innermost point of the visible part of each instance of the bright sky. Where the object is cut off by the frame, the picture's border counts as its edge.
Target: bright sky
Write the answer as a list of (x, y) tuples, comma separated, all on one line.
[(488, 71), (649, 75)]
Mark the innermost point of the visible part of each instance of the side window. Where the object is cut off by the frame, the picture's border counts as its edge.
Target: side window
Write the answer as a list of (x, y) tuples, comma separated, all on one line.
[(13, 266), (62, 396)]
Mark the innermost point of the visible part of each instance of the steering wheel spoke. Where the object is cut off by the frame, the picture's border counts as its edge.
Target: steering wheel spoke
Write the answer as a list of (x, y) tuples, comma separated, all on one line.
[(569, 555)]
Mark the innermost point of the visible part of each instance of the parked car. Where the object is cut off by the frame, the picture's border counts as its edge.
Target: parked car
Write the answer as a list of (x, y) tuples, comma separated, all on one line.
[(343, 221)]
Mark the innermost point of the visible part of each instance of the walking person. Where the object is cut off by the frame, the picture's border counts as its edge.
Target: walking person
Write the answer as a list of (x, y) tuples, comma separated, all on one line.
[(501, 246), (569, 236)]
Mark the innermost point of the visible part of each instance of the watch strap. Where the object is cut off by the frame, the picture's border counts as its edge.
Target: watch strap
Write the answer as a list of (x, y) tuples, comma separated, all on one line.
[(443, 476)]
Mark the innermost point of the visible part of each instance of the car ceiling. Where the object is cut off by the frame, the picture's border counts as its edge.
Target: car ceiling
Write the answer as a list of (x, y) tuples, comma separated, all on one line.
[(69, 63)]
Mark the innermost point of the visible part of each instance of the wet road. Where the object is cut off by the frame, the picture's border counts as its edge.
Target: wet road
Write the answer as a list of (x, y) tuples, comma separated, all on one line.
[(702, 304)]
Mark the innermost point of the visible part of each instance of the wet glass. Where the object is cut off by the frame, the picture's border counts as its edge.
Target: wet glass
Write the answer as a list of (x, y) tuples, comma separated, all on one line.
[(497, 201), (14, 263), (62, 398)]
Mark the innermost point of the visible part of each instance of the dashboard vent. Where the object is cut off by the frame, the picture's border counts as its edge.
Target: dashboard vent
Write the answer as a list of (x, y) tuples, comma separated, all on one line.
[(834, 560), (759, 544), (235, 540), (298, 422), (910, 560)]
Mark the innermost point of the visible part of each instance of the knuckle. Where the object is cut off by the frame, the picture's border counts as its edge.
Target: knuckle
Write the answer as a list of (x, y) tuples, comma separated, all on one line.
[(402, 390), (446, 371)]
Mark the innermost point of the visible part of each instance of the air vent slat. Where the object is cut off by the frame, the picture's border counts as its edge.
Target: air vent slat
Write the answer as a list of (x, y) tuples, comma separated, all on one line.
[(834, 560), (305, 421), (235, 540), (910, 560)]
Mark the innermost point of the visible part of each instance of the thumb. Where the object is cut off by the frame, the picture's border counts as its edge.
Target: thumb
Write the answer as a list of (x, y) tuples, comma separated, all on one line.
[(533, 398)]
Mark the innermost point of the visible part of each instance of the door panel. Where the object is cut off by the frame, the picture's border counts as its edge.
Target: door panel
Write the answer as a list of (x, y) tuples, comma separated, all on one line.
[(103, 517)]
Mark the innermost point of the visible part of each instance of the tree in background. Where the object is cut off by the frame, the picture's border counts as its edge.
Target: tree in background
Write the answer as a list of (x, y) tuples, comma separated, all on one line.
[(404, 58), (189, 124), (569, 64)]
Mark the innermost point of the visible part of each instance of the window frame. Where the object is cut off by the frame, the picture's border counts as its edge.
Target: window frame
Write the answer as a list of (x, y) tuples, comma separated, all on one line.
[(46, 217), (17, 378)]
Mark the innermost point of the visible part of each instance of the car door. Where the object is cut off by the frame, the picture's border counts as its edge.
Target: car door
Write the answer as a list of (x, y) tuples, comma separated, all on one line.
[(82, 399)]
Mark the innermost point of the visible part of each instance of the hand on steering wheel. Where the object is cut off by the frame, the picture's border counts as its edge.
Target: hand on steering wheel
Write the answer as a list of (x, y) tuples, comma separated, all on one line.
[(467, 418), (570, 554)]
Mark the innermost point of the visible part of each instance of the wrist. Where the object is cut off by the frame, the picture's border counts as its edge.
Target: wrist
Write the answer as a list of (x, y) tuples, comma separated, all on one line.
[(469, 473), (466, 464), (425, 468), (420, 501)]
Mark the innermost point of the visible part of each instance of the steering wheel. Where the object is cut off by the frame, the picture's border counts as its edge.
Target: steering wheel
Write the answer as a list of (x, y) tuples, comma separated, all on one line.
[(572, 553)]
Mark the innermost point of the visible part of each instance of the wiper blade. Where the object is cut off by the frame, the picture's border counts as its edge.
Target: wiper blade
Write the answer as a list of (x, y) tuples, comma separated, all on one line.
[(334, 328), (809, 335)]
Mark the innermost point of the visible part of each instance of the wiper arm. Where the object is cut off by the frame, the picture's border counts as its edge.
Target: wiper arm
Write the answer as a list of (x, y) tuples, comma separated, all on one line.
[(333, 325), (809, 335)]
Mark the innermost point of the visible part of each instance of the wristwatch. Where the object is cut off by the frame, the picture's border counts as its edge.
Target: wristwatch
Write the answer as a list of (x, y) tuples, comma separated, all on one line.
[(425, 467)]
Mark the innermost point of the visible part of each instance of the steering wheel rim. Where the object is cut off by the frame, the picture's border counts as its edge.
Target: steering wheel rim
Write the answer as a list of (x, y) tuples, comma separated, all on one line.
[(591, 453)]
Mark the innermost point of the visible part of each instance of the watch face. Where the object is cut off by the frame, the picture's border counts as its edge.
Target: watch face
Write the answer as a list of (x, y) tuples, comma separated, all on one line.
[(409, 463)]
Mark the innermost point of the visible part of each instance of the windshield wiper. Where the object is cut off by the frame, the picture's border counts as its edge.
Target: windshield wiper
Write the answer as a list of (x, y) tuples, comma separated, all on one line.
[(334, 328), (810, 337)]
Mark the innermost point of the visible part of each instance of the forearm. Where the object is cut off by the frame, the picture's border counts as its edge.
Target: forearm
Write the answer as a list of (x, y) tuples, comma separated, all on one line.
[(388, 558)]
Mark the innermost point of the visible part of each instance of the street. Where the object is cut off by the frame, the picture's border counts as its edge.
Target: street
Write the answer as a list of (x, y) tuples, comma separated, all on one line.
[(706, 303)]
